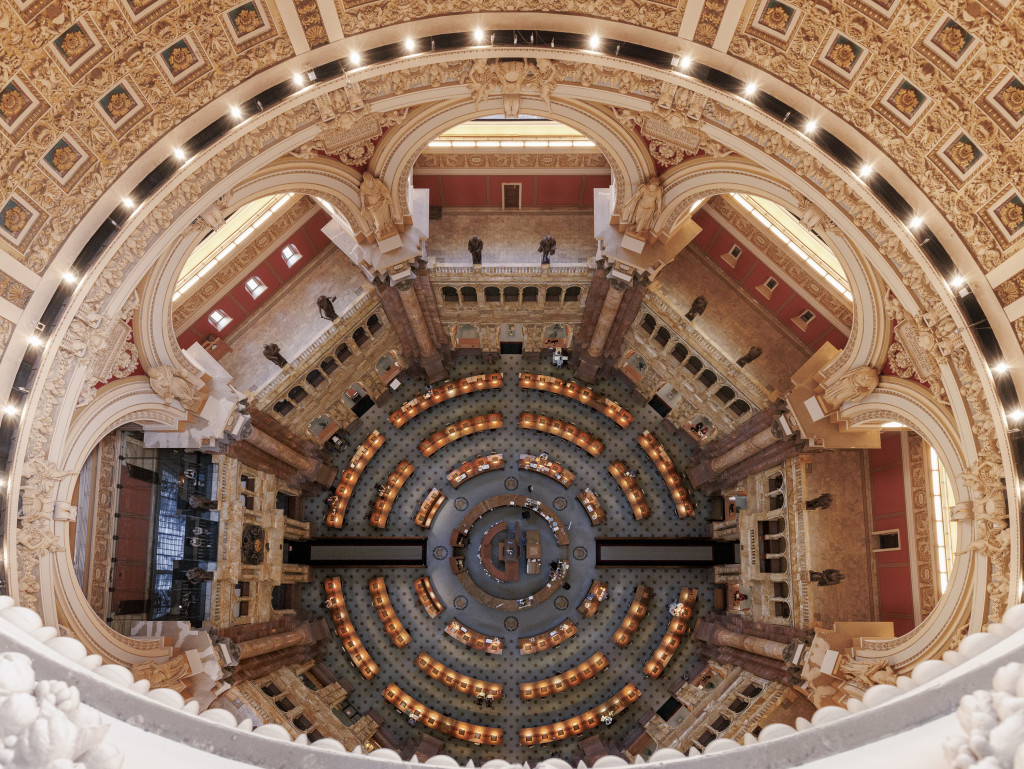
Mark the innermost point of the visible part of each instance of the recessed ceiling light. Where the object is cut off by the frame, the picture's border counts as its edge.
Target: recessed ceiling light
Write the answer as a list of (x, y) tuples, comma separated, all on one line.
[(298, 79), (70, 277), (916, 222), (179, 153), (865, 171), (11, 409), (595, 42), (410, 44), (1001, 368), (35, 341), (1016, 415), (811, 126), (749, 89), (355, 58), (684, 63), (236, 113), (128, 203), (957, 281), (478, 35)]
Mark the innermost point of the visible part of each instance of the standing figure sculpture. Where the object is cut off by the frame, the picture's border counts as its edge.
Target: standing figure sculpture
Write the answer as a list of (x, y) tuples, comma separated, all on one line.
[(378, 206), (272, 352), (641, 211), (752, 354), (476, 249), (166, 383), (326, 305), (697, 307), (547, 248)]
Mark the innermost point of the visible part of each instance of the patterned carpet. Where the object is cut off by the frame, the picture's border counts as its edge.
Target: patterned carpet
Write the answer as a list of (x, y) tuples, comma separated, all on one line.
[(595, 633)]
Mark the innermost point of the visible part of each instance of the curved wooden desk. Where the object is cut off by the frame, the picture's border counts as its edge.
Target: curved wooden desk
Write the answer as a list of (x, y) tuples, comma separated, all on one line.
[(461, 429), (560, 682), (444, 392), (512, 500), (578, 393), (472, 639), (458, 681), (509, 572), (592, 506), (667, 469), (634, 494), (428, 596), (394, 484), (597, 593), (561, 429), (637, 610), (460, 730), (546, 467), (361, 658), (386, 613), (350, 477), (554, 582), (572, 727), (548, 639), (475, 467), (677, 627), (429, 508)]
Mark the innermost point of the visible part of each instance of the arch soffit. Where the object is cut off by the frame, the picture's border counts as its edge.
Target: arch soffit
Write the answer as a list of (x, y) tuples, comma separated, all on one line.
[(870, 331), (401, 146)]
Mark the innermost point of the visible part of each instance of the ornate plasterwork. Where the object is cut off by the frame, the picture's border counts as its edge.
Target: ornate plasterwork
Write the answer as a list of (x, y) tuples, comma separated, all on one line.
[(901, 76), (353, 129), (674, 125), (649, 14), (923, 535), (511, 79), (834, 303), (443, 159), (274, 131)]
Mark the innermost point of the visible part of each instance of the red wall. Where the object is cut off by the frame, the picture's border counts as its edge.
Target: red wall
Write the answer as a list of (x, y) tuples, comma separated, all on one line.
[(751, 271), (484, 190), (892, 568)]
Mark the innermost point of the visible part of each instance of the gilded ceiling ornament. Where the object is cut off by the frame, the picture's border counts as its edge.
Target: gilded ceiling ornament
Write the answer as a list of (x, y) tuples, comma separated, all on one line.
[(843, 55), (962, 154), (15, 219), (180, 59), (951, 40), (12, 102), (64, 158), (247, 20), (776, 18), (1012, 97), (74, 44), (120, 104), (1011, 215), (906, 101)]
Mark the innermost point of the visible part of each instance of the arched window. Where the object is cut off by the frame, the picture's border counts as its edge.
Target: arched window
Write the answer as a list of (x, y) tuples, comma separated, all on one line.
[(649, 324), (468, 294), (662, 336), (360, 337), (553, 294), (707, 377), (511, 294), (572, 294), (739, 408), (725, 394), (283, 407), (373, 323), (297, 394), (530, 294), (679, 352), (449, 294), (315, 378), (343, 353), (781, 610), (694, 365), (329, 365), (492, 294)]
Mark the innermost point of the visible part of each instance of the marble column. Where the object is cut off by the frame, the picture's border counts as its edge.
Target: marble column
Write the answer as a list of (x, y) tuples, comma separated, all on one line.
[(257, 647), (737, 454), (429, 356), (275, 448), (775, 650), (592, 358)]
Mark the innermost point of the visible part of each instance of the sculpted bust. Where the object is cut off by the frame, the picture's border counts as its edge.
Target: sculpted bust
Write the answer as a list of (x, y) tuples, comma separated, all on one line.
[(168, 385)]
